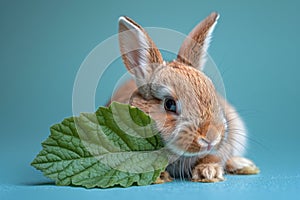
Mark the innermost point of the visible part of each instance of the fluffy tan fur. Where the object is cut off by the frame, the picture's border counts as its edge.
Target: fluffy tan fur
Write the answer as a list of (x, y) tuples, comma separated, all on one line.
[(206, 134)]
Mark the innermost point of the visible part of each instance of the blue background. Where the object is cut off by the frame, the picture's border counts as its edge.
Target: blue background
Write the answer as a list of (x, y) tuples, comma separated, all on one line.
[(255, 45)]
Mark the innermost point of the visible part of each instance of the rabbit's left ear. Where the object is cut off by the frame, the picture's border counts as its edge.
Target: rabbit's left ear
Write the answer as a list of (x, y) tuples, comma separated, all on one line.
[(193, 50), (137, 48), (140, 54)]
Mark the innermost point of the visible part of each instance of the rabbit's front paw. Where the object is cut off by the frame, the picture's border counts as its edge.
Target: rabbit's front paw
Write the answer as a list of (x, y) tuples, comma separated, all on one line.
[(208, 173), (163, 178), (241, 166)]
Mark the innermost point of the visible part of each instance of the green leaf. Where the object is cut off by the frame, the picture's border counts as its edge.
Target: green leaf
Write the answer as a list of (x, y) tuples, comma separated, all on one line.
[(117, 145)]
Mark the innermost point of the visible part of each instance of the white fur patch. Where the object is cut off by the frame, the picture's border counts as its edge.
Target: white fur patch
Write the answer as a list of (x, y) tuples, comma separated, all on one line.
[(240, 163)]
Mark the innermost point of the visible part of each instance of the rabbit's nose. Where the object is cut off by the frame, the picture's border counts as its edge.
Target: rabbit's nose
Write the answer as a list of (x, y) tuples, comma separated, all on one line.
[(212, 134), (206, 144), (210, 138), (209, 133)]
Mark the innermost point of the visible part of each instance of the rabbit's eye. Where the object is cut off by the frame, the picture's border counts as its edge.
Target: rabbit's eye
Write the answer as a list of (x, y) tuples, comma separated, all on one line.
[(170, 105)]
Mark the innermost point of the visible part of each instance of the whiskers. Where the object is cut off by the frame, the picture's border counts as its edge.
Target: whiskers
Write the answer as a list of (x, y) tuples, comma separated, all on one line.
[(242, 131), (235, 142), (182, 168)]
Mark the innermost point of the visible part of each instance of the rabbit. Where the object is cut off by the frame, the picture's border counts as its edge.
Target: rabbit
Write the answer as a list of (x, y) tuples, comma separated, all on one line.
[(203, 131)]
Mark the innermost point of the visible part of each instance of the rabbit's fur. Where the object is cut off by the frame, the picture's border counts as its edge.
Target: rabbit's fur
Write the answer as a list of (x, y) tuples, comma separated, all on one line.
[(205, 133)]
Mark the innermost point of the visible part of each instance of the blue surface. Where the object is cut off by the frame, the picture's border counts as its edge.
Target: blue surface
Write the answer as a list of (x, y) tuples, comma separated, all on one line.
[(255, 45)]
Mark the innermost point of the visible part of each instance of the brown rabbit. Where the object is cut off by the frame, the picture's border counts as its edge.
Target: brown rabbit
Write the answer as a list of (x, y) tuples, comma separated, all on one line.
[(197, 124)]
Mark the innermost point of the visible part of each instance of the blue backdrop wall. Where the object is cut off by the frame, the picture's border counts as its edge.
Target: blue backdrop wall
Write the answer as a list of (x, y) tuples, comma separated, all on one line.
[(255, 46)]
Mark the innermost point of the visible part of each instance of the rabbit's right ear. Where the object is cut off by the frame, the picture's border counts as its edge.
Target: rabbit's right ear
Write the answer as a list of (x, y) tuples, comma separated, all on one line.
[(139, 53), (193, 50)]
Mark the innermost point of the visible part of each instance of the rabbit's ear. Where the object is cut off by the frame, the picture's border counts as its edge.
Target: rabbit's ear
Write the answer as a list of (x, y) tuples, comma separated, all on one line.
[(138, 51), (193, 49)]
